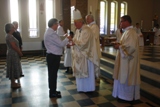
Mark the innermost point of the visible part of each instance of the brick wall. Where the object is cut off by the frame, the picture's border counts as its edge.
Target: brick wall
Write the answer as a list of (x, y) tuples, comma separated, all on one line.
[(66, 14), (81, 5)]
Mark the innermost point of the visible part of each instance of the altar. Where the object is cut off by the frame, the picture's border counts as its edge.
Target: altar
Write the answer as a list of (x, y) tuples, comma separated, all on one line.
[(106, 40)]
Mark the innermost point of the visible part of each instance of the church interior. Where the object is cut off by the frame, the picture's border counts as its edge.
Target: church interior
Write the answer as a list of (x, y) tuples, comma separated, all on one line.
[(34, 84)]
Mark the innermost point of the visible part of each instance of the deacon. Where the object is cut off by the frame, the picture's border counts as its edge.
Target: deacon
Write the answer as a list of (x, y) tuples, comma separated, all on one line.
[(85, 57)]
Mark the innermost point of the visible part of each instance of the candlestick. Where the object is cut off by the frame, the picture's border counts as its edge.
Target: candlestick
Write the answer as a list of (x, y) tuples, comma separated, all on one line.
[(90, 9), (141, 24), (152, 24)]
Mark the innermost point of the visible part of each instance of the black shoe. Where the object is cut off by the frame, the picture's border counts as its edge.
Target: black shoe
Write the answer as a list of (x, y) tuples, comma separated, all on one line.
[(71, 72), (55, 95), (122, 101), (67, 72), (58, 92), (22, 75)]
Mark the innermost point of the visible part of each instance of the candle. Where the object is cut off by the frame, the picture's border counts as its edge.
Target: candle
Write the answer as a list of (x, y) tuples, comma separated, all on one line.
[(141, 24), (152, 24)]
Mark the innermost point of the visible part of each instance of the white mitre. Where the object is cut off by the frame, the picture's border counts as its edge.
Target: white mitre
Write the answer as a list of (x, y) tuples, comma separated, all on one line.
[(77, 15)]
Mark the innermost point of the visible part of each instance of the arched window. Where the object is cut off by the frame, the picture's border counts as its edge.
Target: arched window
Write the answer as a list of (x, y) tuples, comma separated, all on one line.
[(49, 11), (103, 17), (33, 19), (14, 11), (123, 9), (72, 8), (113, 17)]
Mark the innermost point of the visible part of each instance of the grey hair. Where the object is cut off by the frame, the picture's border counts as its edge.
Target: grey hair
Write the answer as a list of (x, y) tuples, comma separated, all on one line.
[(52, 22), (8, 27), (90, 16), (14, 22)]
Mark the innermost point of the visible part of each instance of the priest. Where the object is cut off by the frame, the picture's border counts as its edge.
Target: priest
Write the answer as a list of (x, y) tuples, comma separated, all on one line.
[(95, 29), (127, 66)]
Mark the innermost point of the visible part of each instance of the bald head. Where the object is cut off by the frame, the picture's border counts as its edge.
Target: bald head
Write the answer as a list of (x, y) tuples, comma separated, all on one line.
[(89, 19), (15, 23)]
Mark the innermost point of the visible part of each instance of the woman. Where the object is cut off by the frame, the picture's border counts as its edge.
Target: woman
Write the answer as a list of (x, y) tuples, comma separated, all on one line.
[(13, 56)]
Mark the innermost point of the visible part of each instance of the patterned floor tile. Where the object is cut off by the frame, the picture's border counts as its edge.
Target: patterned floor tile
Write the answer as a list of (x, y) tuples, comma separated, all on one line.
[(34, 87)]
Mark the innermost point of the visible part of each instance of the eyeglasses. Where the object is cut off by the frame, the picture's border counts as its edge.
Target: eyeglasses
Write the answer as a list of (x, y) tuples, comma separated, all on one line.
[(122, 21), (56, 23)]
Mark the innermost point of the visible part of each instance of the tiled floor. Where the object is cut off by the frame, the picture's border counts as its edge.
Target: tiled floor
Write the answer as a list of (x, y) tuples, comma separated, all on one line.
[(34, 90)]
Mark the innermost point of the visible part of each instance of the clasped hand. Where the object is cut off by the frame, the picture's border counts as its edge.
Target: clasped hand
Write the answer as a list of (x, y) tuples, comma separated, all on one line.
[(116, 45)]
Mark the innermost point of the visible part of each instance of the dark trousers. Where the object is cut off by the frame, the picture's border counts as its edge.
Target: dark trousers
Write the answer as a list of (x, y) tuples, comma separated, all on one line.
[(53, 62)]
